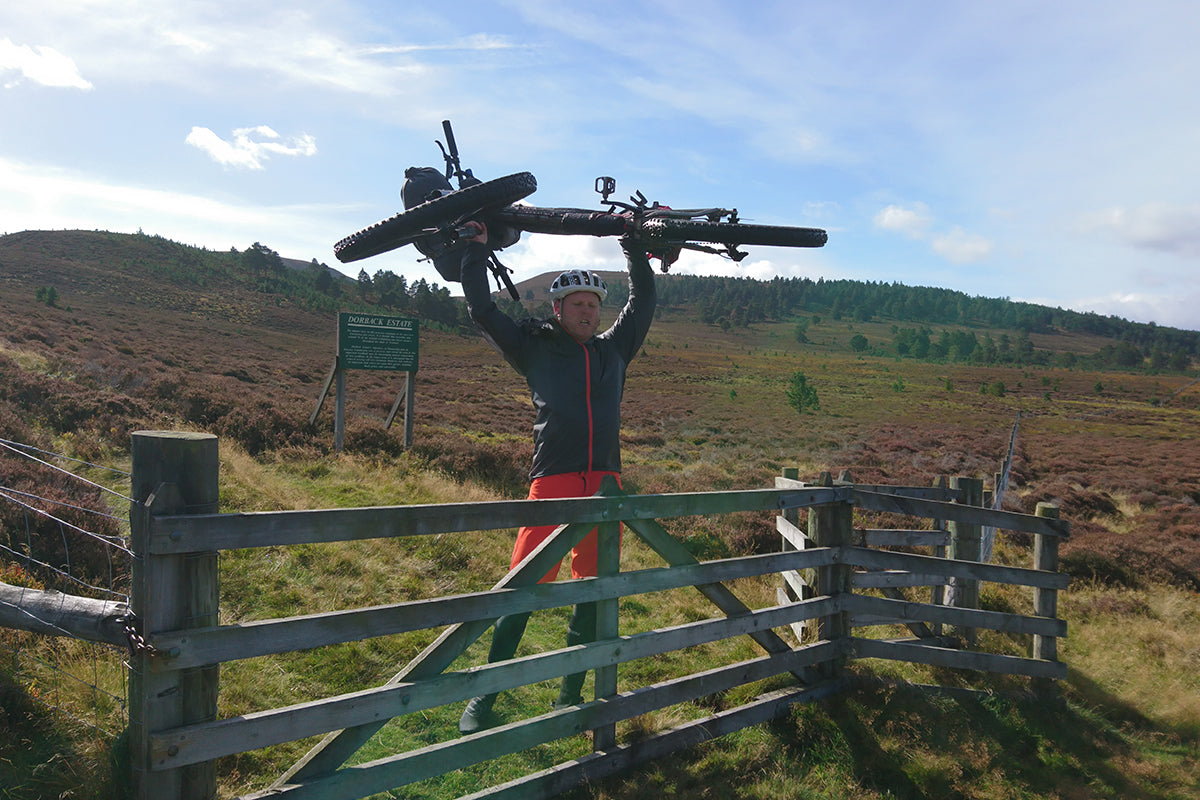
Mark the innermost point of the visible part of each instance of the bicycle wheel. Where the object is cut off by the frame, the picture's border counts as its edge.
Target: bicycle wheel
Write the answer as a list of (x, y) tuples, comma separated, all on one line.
[(691, 230), (410, 225)]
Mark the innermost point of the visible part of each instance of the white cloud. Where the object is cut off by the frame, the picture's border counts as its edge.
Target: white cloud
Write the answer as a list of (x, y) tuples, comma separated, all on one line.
[(43, 65), (249, 147), (538, 253), (226, 48), (1164, 227), (960, 247), (193, 45), (47, 198), (956, 246), (912, 221), (474, 43), (1174, 309), (760, 269)]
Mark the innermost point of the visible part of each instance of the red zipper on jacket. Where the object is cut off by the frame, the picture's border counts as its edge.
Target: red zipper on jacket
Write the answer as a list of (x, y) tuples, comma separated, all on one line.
[(587, 383)]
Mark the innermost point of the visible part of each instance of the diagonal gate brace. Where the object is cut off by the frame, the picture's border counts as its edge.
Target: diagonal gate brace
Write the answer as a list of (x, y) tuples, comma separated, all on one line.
[(336, 748)]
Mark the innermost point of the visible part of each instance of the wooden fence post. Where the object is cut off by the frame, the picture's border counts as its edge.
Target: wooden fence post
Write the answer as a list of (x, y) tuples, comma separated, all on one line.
[(787, 593), (965, 542), (937, 592), (608, 563), (339, 411), (831, 525), (406, 398), (173, 473), (1045, 601)]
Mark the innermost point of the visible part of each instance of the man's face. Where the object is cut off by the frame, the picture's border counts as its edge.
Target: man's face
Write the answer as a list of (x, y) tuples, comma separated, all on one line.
[(579, 313)]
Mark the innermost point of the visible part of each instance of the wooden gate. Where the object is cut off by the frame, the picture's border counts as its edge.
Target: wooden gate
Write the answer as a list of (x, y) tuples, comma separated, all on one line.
[(177, 731)]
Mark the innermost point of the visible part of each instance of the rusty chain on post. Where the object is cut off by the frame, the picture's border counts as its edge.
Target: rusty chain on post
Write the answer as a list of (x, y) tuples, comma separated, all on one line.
[(137, 641)]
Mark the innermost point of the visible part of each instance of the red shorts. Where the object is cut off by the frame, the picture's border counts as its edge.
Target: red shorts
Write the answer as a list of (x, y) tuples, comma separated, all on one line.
[(550, 487)]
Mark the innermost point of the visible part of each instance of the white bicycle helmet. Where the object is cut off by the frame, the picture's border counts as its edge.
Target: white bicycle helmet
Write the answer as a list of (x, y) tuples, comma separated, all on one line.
[(579, 280)]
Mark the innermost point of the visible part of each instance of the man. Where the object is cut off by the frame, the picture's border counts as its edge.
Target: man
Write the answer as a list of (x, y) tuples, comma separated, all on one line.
[(576, 377)]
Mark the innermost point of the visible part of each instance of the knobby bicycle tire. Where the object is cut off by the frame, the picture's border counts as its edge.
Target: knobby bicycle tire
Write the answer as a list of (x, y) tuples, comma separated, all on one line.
[(410, 225), (579, 221), (562, 221), (666, 229)]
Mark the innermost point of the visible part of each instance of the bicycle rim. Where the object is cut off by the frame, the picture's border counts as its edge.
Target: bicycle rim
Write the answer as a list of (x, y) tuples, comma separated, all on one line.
[(407, 226)]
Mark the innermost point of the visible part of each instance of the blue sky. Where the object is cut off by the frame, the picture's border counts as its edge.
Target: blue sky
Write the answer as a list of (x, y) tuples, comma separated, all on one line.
[(1032, 150)]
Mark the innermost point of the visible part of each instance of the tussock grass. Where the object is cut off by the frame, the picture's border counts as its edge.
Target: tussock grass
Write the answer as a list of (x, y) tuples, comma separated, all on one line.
[(1144, 647), (26, 359)]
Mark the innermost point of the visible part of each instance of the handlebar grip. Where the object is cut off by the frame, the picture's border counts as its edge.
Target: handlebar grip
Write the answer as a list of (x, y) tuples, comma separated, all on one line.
[(451, 145)]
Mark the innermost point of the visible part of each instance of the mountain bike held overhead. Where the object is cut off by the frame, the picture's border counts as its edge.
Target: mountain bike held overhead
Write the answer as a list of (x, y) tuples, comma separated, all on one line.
[(435, 217)]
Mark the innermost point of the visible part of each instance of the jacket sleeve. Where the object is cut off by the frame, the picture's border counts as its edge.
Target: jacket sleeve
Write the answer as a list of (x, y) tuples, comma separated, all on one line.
[(497, 327), (630, 329)]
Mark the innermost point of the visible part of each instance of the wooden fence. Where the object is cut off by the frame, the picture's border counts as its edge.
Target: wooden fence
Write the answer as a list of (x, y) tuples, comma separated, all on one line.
[(177, 732)]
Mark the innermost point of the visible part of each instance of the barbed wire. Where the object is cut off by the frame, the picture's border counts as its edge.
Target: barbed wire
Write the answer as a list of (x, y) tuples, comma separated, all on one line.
[(12, 446)]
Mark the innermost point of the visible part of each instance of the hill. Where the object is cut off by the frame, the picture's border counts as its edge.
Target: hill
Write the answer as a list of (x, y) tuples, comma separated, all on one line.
[(143, 332), (108, 333)]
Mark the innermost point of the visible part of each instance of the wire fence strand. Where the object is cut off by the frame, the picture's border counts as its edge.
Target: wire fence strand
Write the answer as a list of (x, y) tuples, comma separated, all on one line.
[(113, 541), (10, 446), (85, 682), (62, 503), (61, 456)]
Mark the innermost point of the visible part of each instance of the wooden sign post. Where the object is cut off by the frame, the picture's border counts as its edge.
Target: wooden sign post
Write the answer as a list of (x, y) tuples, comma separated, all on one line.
[(372, 341)]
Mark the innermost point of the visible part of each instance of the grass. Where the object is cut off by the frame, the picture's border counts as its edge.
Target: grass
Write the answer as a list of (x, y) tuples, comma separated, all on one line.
[(1127, 724)]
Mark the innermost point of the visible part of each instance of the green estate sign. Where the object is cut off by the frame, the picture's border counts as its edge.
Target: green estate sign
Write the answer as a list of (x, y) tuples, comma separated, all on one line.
[(369, 341)]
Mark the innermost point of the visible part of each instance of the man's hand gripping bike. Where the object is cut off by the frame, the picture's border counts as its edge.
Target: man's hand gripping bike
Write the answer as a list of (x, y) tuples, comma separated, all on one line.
[(438, 225)]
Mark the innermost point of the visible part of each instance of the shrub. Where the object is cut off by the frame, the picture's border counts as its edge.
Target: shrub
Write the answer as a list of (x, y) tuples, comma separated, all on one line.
[(47, 295), (502, 464), (705, 545), (373, 439), (800, 395), (264, 425), (1092, 567)]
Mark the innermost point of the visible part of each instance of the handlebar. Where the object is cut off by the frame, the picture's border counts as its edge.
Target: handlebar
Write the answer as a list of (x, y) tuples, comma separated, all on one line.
[(450, 154)]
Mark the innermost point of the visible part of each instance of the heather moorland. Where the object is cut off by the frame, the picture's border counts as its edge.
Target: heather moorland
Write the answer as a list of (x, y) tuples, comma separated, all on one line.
[(105, 334)]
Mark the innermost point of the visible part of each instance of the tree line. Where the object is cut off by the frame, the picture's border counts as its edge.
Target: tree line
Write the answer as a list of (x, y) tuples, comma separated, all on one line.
[(740, 302), (963, 345), (942, 330)]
